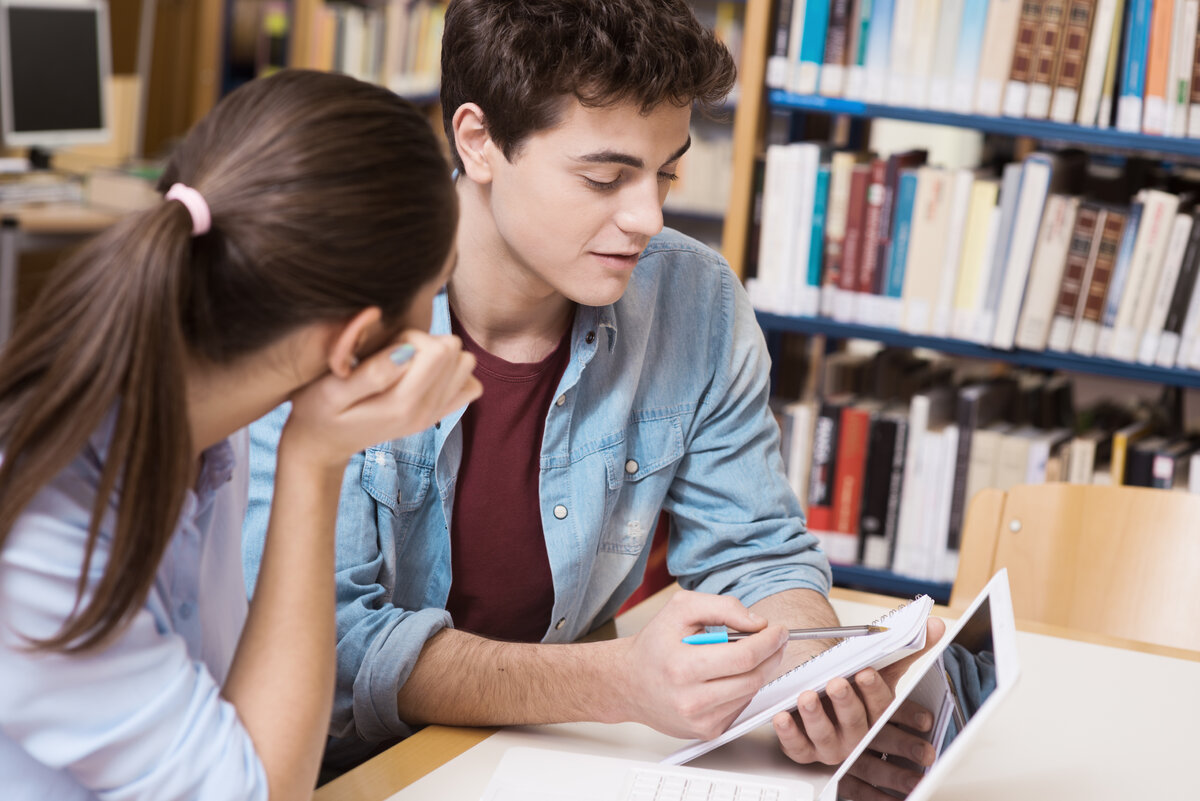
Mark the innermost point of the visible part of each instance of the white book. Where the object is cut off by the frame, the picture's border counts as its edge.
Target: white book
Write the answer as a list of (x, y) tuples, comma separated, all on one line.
[(1016, 97), (795, 35), (924, 45), (984, 323), (1149, 251), (941, 71), (926, 248), (1093, 71), (912, 507), (904, 23), (1181, 229), (961, 183), (1045, 276), (805, 162), (799, 417), (1035, 182), (775, 232), (995, 60), (942, 564), (1179, 76), (969, 299)]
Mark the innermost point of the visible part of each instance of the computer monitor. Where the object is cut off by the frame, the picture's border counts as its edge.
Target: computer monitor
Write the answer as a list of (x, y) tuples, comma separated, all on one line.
[(54, 72)]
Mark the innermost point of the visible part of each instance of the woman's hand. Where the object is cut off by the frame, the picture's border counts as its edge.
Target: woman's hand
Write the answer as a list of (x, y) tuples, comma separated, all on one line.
[(400, 390)]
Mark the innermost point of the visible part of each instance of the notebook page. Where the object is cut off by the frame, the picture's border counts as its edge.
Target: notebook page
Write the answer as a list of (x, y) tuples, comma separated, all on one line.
[(905, 635)]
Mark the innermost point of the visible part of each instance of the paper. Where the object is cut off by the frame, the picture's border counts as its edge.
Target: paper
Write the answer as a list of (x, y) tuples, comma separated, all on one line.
[(905, 635)]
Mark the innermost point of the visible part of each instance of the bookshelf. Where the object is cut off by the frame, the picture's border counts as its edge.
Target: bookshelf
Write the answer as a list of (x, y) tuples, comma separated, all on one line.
[(751, 137)]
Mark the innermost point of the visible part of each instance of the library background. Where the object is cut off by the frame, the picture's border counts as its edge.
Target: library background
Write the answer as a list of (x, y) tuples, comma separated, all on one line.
[(969, 227)]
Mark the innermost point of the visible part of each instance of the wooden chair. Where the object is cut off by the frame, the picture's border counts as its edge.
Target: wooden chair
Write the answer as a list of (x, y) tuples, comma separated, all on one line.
[(1120, 561)]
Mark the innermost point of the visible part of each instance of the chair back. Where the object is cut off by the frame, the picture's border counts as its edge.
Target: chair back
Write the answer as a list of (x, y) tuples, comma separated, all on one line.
[(1121, 561)]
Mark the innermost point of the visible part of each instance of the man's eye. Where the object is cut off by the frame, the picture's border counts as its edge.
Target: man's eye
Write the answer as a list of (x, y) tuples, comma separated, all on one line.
[(594, 184), (667, 176)]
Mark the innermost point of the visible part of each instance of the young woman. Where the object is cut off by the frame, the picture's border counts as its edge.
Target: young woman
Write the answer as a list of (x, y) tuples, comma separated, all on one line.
[(309, 224)]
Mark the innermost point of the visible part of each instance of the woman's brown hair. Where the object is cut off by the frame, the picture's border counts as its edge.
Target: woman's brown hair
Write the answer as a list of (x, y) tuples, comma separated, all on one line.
[(328, 196)]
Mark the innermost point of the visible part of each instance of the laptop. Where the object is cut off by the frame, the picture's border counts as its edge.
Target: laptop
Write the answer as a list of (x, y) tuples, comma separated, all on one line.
[(960, 681)]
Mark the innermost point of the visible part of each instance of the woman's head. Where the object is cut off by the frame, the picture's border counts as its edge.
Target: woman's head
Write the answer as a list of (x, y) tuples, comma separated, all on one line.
[(327, 196)]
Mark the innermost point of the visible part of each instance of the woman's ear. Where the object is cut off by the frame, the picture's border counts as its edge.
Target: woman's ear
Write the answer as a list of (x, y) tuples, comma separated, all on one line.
[(473, 142), (348, 342)]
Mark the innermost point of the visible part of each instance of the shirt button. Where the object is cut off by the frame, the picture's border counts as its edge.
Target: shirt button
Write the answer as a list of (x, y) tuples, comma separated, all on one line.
[(631, 467), (562, 622), (560, 511), (561, 400), (185, 611), (590, 338)]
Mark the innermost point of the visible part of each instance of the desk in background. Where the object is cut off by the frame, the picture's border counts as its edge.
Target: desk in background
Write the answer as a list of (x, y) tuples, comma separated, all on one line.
[(39, 228), (1088, 719)]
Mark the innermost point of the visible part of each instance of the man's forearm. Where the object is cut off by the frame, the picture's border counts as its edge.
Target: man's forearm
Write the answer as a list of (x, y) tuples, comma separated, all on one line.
[(799, 609), (464, 680)]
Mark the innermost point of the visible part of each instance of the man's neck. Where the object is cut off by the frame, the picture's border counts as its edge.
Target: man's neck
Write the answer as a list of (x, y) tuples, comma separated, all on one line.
[(509, 312)]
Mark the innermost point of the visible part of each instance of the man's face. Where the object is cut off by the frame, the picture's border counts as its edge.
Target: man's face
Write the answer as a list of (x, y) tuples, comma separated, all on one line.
[(580, 201)]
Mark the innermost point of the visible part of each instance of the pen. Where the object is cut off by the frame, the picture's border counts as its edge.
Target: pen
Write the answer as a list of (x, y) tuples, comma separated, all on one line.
[(834, 632)]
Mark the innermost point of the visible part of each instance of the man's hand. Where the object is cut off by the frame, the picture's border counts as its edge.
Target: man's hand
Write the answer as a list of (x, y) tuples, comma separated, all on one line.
[(894, 760), (696, 691), (827, 730)]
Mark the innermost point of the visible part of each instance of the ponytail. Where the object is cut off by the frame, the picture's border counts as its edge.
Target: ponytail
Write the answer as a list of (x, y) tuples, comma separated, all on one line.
[(105, 339)]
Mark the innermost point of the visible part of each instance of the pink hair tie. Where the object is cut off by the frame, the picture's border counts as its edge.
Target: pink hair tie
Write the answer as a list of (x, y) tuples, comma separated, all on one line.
[(194, 202)]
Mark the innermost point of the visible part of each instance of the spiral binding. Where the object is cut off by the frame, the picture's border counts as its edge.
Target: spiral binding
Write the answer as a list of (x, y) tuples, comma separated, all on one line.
[(877, 622)]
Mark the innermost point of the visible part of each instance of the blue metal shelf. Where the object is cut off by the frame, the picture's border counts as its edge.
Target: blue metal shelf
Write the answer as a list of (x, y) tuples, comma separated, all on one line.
[(1047, 360), (889, 583), (1009, 126)]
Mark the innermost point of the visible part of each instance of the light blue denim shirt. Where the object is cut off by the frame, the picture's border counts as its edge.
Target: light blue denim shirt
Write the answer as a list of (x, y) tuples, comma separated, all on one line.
[(663, 405), (141, 717)]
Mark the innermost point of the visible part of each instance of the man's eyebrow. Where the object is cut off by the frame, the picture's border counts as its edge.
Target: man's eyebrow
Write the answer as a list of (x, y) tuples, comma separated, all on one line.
[(617, 157)]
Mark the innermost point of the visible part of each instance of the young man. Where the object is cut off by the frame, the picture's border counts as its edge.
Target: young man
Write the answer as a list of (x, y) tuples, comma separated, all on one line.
[(624, 374)]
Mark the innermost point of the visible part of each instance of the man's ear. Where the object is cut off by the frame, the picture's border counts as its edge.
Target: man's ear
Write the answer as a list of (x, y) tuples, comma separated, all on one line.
[(351, 338), (473, 142)]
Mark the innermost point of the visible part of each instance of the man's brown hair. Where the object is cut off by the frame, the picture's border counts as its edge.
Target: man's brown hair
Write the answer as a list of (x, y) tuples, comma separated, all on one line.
[(518, 59)]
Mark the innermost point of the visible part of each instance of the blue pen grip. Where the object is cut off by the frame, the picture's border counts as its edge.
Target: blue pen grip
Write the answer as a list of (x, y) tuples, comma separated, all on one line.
[(707, 638)]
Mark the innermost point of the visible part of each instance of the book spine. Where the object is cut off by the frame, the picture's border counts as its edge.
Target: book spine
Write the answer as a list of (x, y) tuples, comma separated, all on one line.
[(1158, 63), (877, 476), (1146, 264), (1116, 238), (1179, 80), (1010, 190), (879, 50), (851, 465), (824, 462), (1046, 58), (941, 72), (1075, 276), (974, 251), (962, 191), (1046, 274), (1093, 66), (1193, 124), (1069, 75), (777, 62), (891, 523), (842, 169), (1133, 69), (1168, 282), (1108, 92), (812, 46), (966, 56), (1016, 91), (816, 246), (898, 252), (1187, 281), (904, 20), (837, 38), (995, 60), (856, 71), (852, 260), (869, 279)]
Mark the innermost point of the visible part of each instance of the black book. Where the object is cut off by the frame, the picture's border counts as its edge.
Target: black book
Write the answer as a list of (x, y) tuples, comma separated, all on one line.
[(884, 476), (824, 463)]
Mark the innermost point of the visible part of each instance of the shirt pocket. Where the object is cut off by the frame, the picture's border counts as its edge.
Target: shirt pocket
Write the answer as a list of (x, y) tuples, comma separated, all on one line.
[(638, 479), (399, 482)]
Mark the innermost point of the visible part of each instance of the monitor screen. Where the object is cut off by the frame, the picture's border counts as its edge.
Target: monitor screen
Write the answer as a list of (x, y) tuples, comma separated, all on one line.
[(53, 72)]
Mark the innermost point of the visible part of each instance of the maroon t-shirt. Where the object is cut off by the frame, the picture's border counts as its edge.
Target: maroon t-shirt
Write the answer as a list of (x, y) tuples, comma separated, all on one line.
[(502, 587)]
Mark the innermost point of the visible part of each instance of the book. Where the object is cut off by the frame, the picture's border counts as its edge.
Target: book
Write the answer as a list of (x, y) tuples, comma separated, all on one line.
[(1133, 68), (996, 57), (810, 297), (961, 183), (1158, 62), (777, 62), (904, 25), (1122, 438), (841, 544), (1193, 125), (841, 171), (1108, 90), (837, 48), (923, 46), (926, 248), (1046, 274), (887, 215), (945, 53), (1036, 174), (984, 324), (905, 635), (1016, 90), (856, 67), (1184, 298), (796, 437), (1168, 277), (1094, 67), (1112, 233), (1051, 37), (1179, 76), (856, 216), (1117, 281), (879, 51), (1068, 79), (891, 304), (929, 413), (870, 280), (1145, 263), (1076, 276), (812, 48), (824, 465), (977, 406), (978, 243), (967, 52), (881, 495)]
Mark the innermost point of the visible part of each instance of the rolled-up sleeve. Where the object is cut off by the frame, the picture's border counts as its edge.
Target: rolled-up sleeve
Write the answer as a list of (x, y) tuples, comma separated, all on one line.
[(378, 642), (737, 527), (137, 718)]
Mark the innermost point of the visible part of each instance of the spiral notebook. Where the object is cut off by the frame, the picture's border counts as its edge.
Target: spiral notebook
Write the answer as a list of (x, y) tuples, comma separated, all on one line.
[(905, 635)]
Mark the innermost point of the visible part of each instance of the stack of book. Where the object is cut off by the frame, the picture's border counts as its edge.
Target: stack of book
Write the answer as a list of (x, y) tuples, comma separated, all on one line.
[(1124, 63), (1038, 258), (887, 461)]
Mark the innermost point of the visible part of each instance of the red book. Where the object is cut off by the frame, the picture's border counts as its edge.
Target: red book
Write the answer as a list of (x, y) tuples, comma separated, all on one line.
[(876, 189), (851, 468), (856, 215)]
